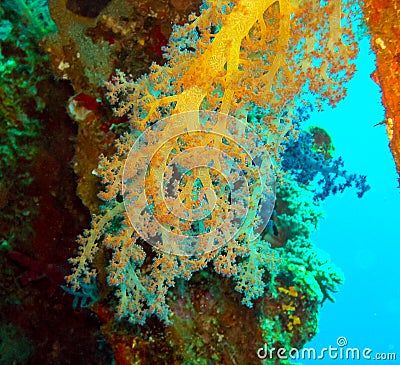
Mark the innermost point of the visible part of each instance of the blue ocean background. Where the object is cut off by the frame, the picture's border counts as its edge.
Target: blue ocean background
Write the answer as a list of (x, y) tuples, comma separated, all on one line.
[(362, 235)]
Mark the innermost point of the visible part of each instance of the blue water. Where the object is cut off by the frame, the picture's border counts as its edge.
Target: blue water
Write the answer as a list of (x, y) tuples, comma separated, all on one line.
[(362, 235)]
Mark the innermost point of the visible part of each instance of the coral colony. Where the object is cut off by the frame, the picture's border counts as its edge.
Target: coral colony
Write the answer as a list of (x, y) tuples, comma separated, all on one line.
[(188, 147), (253, 63)]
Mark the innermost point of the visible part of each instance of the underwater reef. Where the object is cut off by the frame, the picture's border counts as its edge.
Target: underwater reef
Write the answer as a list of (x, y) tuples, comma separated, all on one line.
[(158, 189)]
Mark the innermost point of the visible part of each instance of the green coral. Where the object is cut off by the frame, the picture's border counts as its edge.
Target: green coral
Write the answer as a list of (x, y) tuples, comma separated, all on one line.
[(298, 213), (305, 277), (35, 14), (21, 64), (307, 267), (274, 333), (15, 348), (311, 270)]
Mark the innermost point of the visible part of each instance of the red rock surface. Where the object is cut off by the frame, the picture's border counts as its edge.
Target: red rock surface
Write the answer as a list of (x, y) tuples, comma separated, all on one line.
[(383, 20)]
